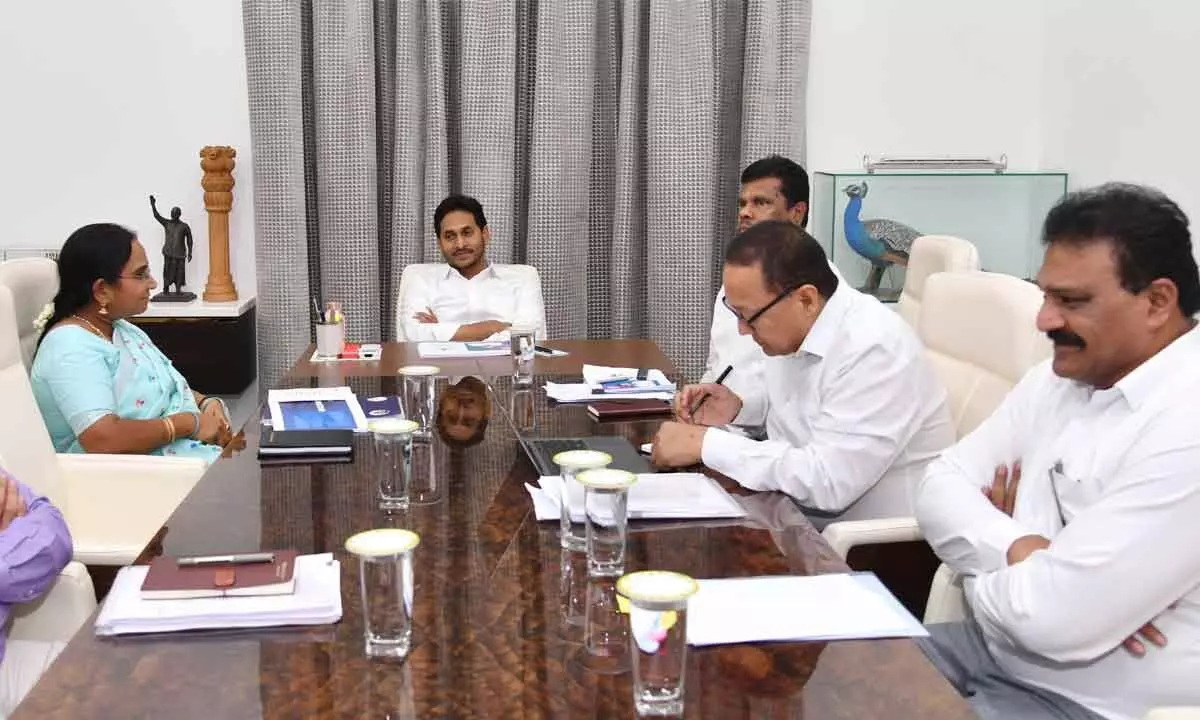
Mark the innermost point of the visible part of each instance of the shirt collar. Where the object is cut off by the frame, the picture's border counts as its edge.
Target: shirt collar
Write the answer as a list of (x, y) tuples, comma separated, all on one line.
[(823, 334), (1164, 366), (489, 271)]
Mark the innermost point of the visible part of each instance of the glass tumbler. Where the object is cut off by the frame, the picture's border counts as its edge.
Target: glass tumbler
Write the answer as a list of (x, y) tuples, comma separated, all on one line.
[(606, 510), (572, 531), (417, 395), (657, 604), (393, 461), (522, 343), (385, 574)]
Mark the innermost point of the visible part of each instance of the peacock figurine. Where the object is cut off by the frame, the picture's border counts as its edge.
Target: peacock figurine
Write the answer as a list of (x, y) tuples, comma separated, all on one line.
[(883, 242)]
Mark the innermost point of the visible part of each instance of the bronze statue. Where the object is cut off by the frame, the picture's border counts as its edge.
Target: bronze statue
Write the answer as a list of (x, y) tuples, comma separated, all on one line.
[(177, 252)]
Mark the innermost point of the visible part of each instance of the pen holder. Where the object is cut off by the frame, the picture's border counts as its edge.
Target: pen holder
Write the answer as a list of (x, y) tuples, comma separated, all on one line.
[(331, 338)]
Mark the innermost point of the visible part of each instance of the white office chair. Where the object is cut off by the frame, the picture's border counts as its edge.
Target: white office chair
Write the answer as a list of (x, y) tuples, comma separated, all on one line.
[(114, 504), (527, 273), (60, 611), (980, 335), (33, 282), (932, 254)]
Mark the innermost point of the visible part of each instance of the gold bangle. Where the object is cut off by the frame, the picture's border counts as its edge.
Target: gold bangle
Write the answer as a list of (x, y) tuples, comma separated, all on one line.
[(170, 430)]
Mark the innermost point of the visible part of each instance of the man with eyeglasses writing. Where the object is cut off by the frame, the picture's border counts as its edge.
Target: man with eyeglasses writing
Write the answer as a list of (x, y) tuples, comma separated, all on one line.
[(852, 410)]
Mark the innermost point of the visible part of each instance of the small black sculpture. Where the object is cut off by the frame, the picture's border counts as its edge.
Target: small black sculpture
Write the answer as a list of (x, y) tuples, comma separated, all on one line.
[(177, 252)]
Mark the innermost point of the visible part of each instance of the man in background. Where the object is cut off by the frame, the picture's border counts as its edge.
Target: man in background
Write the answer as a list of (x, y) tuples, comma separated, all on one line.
[(467, 298)]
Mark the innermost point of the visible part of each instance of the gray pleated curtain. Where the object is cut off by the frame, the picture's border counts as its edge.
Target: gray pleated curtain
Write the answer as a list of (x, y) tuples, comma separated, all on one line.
[(604, 140)]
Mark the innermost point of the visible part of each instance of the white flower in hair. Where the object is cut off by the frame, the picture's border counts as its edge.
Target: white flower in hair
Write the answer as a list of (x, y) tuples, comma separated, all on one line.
[(44, 316)]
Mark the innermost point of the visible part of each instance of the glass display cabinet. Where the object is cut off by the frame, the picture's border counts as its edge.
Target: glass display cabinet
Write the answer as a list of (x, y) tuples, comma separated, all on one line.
[(866, 221)]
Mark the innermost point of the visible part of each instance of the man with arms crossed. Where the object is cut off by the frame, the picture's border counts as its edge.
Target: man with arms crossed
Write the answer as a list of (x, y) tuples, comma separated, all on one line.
[(468, 298), (851, 406), (1081, 552), (35, 546)]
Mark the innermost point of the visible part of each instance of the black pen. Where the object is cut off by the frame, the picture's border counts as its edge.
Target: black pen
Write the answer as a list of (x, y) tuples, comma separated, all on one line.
[(720, 379)]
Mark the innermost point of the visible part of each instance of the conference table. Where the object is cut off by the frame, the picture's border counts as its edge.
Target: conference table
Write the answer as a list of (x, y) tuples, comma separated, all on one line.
[(506, 624)]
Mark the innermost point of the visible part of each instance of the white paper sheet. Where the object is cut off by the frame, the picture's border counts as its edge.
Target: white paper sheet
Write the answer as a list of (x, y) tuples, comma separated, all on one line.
[(481, 348), (654, 496), (316, 601), (782, 608)]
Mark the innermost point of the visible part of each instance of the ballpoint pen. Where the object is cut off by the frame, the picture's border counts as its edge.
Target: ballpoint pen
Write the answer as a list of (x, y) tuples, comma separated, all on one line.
[(236, 559), (720, 380)]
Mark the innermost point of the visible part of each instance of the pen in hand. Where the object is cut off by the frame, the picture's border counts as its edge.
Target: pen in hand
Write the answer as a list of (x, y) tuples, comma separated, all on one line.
[(720, 380)]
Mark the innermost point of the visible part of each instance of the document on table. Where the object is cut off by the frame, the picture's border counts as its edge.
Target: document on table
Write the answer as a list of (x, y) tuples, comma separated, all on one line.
[(481, 348), (790, 608), (317, 600), (654, 496)]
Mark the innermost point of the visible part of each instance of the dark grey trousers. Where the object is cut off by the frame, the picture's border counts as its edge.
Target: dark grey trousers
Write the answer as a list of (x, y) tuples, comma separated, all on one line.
[(959, 652)]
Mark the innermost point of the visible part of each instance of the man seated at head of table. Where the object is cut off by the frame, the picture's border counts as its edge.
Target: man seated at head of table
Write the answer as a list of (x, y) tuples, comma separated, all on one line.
[(35, 545), (773, 188), (852, 409), (467, 298), (101, 384), (1081, 555)]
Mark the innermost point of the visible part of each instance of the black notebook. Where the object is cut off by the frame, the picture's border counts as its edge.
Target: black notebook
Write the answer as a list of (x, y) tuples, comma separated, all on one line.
[(306, 442)]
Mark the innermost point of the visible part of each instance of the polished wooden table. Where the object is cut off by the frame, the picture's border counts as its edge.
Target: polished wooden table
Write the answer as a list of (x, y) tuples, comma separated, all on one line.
[(504, 619)]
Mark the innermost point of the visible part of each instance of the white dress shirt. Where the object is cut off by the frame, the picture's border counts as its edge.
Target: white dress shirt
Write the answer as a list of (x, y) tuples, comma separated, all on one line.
[(508, 293), (852, 417), (1123, 464), (726, 347)]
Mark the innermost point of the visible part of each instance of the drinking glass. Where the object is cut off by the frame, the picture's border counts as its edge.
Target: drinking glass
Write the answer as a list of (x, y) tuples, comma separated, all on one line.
[(606, 506), (393, 461), (417, 395), (522, 341), (573, 534), (385, 574), (657, 603)]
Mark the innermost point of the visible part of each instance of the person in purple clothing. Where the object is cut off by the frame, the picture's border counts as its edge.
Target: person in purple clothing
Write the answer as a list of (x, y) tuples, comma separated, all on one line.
[(35, 545)]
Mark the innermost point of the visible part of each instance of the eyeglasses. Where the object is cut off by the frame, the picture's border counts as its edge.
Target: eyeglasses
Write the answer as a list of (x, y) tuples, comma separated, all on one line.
[(142, 275), (754, 317), (1056, 472)]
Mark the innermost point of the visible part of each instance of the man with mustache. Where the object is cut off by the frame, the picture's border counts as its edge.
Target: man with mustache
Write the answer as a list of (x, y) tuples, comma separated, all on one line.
[(1072, 511), (468, 298)]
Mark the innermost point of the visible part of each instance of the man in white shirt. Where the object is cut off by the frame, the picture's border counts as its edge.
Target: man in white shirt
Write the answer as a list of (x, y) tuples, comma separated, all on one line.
[(773, 188), (852, 410), (467, 298), (1081, 552)]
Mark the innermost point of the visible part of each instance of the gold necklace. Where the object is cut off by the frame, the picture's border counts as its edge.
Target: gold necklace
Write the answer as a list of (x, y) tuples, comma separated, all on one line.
[(91, 327)]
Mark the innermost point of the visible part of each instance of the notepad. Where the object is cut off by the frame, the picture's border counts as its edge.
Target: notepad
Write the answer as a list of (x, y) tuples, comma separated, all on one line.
[(654, 496), (317, 600), (791, 608)]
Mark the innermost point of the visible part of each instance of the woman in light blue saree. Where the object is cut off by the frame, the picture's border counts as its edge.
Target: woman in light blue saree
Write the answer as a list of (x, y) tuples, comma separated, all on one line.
[(101, 384)]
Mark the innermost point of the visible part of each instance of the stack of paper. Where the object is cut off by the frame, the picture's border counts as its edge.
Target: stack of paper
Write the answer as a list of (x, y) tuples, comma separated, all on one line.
[(600, 382), (816, 607), (482, 348), (316, 601), (653, 496)]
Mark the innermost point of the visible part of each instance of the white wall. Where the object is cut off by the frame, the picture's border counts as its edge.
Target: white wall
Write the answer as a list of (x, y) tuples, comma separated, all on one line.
[(1103, 89), (105, 103)]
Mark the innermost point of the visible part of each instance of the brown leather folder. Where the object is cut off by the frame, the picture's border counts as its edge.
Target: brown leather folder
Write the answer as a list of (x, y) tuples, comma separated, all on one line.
[(625, 409)]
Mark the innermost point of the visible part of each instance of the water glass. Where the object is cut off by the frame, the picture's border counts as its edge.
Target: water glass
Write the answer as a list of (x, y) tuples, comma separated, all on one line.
[(657, 605), (331, 338), (572, 601), (606, 504), (428, 461), (573, 533), (522, 407), (417, 395), (385, 574), (606, 631), (393, 460), (522, 342)]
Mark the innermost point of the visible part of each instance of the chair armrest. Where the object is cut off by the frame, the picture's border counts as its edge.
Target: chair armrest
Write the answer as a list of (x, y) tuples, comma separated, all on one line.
[(116, 504), (1173, 713), (842, 536), (947, 601), (60, 611)]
